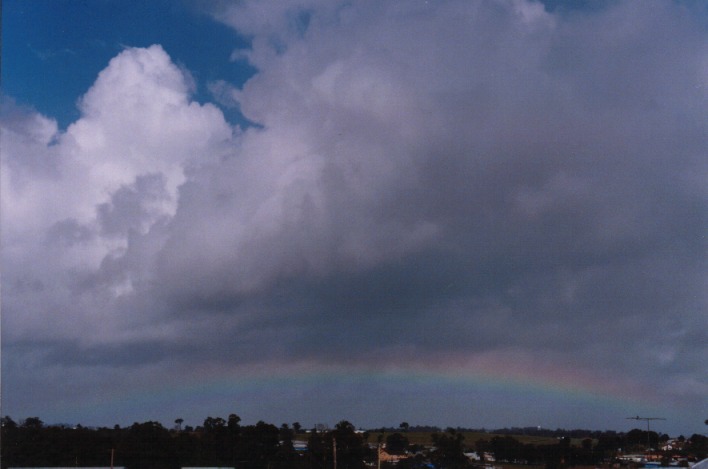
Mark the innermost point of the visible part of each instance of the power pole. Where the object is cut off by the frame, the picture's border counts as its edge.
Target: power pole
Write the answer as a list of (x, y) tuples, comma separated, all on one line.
[(648, 419), (378, 456), (334, 452)]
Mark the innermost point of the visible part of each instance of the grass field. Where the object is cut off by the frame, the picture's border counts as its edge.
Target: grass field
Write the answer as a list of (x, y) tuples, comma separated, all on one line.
[(424, 438)]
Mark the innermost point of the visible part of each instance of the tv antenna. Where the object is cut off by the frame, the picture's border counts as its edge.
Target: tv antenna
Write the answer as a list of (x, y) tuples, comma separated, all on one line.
[(648, 420)]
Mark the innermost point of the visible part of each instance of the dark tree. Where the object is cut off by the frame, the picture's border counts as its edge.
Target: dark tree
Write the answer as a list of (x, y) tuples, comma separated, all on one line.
[(507, 448), (637, 439), (188, 449), (258, 445), (233, 424), (32, 422), (449, 450), (350, 446), (147, 445), (217, 445), (396, 443), (607, 445), (558, 456), (317, 449), (7, 422), (286, 457), (483, 446), (214, 425), (698, 446)]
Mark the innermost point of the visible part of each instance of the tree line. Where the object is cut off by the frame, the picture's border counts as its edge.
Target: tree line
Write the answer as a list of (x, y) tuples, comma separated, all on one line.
[(220, 442), (217, 443)]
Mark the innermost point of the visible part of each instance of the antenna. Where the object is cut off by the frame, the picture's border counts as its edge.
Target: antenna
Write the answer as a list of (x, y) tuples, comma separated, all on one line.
[(648, 419)]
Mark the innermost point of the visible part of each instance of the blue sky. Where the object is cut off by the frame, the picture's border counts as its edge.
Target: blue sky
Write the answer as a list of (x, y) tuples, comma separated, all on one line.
[(452, 213), (65, 43)]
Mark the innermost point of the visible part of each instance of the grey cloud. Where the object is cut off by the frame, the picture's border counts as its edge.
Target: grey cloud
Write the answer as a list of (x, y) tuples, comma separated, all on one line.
[(544, 172), (133, 207), (69, 232), (72, 354)]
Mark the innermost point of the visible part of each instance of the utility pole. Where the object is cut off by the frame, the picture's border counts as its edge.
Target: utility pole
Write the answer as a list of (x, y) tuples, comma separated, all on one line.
[(334, 452), (378, 456), (648, 419)]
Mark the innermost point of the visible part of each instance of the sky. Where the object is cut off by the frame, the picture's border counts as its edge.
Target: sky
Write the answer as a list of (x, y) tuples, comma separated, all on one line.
[(480, 214)]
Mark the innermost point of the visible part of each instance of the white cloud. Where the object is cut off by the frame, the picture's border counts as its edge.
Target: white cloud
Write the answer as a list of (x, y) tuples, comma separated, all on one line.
[(72, 201)]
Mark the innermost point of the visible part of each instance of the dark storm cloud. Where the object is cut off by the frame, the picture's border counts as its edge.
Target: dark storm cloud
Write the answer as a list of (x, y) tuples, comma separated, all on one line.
[(74, 354), (530, 167)]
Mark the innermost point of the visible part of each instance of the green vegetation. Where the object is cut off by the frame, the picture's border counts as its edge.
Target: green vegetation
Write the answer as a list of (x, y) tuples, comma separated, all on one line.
[(225, 442), (471, 438)]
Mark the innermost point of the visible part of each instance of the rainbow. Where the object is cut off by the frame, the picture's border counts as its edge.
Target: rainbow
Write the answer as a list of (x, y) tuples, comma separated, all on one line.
[(509, 377)]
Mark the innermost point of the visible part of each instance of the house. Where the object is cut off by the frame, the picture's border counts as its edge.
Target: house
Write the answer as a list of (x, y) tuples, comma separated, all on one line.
[(393, 458)]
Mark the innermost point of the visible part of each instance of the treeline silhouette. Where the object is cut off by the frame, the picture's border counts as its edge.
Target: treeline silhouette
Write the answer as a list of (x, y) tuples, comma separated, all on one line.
[(218, 443), (226, 443), (530, 431)]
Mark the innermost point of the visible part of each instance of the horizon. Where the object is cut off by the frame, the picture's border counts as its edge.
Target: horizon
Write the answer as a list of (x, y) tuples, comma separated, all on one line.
[(326, 426)]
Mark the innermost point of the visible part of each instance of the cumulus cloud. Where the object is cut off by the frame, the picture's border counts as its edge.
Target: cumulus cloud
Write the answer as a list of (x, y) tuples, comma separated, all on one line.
[(428, 179), (72, 201)]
